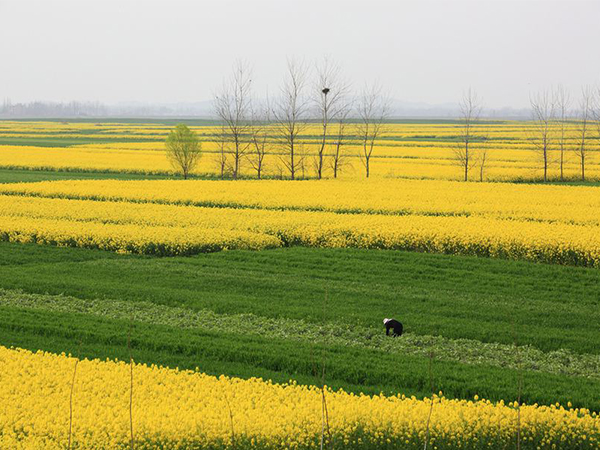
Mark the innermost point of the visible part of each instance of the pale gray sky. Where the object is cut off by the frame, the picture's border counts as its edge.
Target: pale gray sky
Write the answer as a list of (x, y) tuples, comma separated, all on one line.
[(169, 51)]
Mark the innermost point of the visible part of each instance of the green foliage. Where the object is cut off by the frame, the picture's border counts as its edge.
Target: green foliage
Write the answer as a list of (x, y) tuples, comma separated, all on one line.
[(183, 149), (549, 307), (280, 359), (260, 314), (561, 362)]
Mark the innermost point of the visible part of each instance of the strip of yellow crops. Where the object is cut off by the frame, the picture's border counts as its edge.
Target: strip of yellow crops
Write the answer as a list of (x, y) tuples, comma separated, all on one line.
[(502, 165), (184, 408), (525, 202), (421, 151), (171, 229)]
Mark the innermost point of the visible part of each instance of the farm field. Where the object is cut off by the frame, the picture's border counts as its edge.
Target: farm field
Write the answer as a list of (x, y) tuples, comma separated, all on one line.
[(556, 224), (275, 416), (105, 254), (223, 313), (409, 149)]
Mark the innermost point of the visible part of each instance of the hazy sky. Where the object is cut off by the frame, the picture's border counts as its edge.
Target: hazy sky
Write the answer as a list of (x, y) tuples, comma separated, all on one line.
[(169, 51)]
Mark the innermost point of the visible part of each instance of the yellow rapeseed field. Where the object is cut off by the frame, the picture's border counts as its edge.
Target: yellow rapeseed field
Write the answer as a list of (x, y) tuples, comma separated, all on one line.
[(170, 218), (544, 203), (186, 409), (405, 150)]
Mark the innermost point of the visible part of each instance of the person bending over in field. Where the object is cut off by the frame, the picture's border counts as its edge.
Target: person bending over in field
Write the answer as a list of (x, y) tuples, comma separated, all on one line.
[(394, 325)]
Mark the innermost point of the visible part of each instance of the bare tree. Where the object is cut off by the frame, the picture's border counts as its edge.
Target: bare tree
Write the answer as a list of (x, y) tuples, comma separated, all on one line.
[(597, 112), (470, 111), (302, 154), (373, 108), (482, 160), (329, 96), (260, 138), (584, 117), (543, 112), (222, 160), (339, 158), (183, 149), (289, 115), (233, 107), (562, 100)]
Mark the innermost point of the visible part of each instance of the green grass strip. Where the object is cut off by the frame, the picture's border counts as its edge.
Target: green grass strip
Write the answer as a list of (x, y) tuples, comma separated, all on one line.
[(217, 352), (466, 351)]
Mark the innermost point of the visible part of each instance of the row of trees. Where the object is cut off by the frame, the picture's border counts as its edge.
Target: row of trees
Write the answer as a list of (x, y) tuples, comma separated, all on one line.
[(551, 111), (39, 109), (251, 127), (556, 129)]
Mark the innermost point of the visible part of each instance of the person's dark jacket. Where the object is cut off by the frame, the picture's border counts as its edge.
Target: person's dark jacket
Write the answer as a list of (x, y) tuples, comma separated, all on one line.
[(395, 326)]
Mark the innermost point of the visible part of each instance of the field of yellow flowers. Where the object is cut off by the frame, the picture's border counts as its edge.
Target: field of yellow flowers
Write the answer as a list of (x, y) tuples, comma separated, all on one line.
[(252, 313), (50, 401), (556, 224), (406, 150)]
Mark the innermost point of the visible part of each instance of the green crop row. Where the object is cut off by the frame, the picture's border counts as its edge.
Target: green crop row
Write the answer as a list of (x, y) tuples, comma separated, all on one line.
[(561, 362), (245, 355), (492, 301)]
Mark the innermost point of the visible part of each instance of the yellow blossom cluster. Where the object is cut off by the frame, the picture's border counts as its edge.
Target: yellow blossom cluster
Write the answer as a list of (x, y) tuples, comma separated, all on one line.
[(526, 202), (168, 218), (405, 150), (47, 400)]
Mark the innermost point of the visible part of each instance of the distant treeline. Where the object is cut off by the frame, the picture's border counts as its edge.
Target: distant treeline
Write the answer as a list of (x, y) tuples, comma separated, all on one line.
[(40, 109)]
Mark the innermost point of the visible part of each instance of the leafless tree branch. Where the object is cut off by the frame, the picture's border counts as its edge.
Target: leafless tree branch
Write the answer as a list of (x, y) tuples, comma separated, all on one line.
[(470, 111), (233, 106), (543, 110), (290, 113), (329, 96), (584, 117), (373, 109), (562, 100)]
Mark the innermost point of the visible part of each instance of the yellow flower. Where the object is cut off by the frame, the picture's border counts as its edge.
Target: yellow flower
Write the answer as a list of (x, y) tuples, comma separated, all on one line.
[(174, 407)]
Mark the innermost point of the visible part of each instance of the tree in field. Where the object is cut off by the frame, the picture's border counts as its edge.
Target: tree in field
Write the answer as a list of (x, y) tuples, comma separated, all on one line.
[(373, 108), (597, 112), (221, 157), (562, 100), (543, 112), (259, 138), (339, 156), (290, 113), (584, 117), (233, 107), (470, 111), (482, 160), (183, 149), (329, 96)]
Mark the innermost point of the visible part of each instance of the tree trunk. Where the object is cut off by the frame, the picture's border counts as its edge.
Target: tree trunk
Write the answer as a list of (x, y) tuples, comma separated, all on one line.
[(320, 166), (466, 160), (562, 159), (320, 162), (545, 160)]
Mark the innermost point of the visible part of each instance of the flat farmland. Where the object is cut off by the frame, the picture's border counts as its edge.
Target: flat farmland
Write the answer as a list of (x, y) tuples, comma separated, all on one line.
[(406, 149), (196, 295)]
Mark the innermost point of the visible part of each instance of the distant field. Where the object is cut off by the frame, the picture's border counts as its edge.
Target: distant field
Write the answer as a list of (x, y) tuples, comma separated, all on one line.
[(407, 149), (30, 176)]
